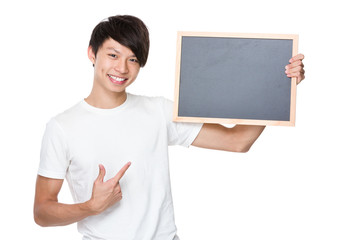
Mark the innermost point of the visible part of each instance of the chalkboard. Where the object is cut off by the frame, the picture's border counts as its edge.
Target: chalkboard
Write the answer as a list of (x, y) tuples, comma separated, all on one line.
[(235, 78)]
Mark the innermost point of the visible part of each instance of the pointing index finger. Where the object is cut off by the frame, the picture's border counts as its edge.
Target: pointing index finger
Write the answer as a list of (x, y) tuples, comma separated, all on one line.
[(121, 172)]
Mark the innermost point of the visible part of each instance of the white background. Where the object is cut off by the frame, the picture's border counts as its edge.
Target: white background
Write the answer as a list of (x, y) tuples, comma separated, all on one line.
[(286, 187)]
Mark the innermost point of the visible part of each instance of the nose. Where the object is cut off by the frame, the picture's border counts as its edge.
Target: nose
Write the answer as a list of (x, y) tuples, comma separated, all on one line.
[(121, 66)]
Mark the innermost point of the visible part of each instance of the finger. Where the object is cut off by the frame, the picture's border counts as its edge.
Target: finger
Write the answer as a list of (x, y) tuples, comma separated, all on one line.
[(117, 197), (295, 74), (121, 172), (295, 64), (297, 57), (117, 189), (294, 70), (101, 174)]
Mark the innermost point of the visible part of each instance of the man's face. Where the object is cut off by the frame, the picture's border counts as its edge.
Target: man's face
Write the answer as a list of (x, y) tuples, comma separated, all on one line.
[(115, 66)]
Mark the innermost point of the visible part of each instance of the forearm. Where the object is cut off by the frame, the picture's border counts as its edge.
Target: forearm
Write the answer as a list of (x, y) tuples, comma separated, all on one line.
[(52, 213), (49, 212)]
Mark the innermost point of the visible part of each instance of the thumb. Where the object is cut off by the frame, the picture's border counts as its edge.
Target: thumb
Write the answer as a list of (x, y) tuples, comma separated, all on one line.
[(101, 173)]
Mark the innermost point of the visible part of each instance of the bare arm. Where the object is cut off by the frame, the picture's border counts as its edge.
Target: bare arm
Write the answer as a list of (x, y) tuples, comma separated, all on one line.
[(49, 212), (237, 139)]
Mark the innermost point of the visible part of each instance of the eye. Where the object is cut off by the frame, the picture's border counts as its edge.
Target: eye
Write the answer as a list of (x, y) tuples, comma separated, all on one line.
[(134, 60), (113, 55)]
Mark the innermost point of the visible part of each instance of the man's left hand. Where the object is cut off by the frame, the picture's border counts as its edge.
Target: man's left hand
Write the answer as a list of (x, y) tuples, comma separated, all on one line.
[(295, 68)]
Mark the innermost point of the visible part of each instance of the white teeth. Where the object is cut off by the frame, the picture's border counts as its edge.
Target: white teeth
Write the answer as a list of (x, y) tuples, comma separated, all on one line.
[(117, 78)]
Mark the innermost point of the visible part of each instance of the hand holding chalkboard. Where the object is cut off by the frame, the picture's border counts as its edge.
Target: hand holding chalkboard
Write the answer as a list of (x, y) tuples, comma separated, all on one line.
[(296, 68), (236, 78)]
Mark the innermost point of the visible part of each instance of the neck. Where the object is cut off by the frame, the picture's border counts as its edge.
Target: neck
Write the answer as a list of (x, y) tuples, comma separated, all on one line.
[(106, 100)]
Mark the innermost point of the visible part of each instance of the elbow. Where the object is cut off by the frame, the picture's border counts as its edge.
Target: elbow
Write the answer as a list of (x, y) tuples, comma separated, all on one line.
[(242, 148), (243, 145), (38, 219), (244, 137)]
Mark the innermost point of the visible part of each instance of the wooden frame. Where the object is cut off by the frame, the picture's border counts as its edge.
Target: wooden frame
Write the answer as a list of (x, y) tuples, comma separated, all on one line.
[(176, 117)]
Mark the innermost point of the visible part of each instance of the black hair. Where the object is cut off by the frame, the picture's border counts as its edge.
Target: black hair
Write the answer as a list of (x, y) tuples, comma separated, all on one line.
[(128, 30)]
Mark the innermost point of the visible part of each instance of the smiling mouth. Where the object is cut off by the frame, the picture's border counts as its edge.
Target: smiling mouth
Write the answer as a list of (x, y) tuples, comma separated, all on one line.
[(117, 80)]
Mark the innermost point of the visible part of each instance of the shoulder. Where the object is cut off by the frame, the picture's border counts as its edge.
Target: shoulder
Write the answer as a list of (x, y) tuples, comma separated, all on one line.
[(156, 106), (69, 116), (151, 100)]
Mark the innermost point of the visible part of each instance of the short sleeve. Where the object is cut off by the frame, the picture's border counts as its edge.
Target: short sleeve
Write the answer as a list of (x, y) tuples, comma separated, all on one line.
[(54, 156), (179, 133)]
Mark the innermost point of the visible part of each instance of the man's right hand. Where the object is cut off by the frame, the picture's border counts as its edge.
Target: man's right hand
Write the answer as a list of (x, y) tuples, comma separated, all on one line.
[(106, 194), (49, 212)]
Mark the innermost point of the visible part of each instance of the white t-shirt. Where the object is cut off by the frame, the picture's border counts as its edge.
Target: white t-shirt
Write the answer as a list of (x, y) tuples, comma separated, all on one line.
[(78, 140)]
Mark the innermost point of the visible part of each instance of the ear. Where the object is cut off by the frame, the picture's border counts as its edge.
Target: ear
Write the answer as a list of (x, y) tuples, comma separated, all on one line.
[(91, 55)]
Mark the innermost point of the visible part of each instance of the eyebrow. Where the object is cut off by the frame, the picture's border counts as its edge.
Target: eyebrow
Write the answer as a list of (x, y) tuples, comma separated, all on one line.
[(111, 48)]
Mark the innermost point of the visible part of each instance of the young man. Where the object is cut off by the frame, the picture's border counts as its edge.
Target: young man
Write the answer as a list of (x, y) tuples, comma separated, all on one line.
[(121, 133)]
